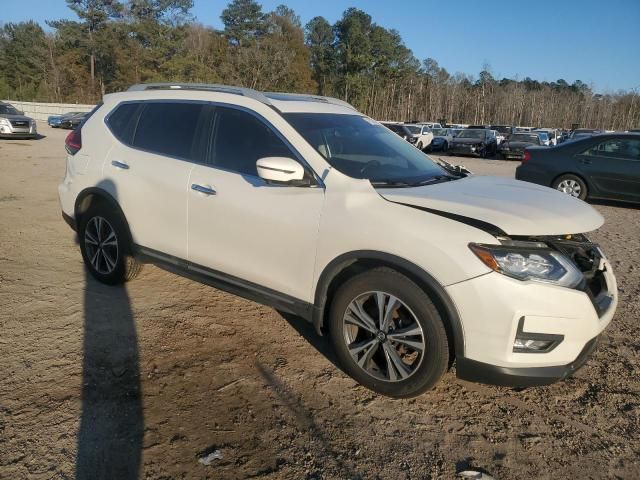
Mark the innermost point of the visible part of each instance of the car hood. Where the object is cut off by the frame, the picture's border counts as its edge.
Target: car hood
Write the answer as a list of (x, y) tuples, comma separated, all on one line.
[(15, 117), (515, 207)]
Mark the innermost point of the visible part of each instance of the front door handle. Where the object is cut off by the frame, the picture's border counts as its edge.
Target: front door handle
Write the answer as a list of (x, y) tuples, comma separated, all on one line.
[(203, 189), (120, 165), (585, 161)]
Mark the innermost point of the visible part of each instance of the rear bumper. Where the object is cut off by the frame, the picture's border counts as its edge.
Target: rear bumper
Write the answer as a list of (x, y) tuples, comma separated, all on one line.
[(528, 173), (19, 135), (475, 371)]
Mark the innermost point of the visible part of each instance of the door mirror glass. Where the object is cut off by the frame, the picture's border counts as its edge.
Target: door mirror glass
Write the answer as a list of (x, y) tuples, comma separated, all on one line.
[(281, 170)]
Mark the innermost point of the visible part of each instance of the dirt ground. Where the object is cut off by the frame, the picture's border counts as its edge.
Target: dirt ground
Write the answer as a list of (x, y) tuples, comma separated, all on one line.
[(136, 382)]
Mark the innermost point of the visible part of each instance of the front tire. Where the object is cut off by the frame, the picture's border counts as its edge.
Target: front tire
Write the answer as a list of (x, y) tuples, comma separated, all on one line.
[(571, 185), (387, 334), (105, 245)]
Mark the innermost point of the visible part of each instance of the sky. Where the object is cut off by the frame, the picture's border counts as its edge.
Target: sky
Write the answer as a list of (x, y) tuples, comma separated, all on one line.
[(590, 40)]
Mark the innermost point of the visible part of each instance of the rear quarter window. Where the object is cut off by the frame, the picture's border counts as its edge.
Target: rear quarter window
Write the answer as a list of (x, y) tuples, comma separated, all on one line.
[(122, 121), (169, 129)]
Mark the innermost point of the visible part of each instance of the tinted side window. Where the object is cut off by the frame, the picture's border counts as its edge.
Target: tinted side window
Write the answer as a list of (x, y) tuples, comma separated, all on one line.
[(122, 121), (170, 129), (620, 148), (241, 139)]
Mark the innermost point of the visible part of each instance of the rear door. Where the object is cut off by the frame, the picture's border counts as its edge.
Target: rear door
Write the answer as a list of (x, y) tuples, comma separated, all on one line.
[(150, 167), (243, 227), (613, 167)]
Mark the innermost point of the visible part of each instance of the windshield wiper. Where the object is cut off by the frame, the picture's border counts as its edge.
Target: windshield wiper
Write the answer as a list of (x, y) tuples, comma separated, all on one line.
[(390, 183), (418, 183)]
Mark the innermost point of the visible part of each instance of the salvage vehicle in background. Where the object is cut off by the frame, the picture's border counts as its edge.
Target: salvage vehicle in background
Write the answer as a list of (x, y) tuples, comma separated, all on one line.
[(14, 124), (401, 130), (422, 135), (514, 147), (55, 121), (478, 142), (288, 203), (503, 132), (71, 121), (552, 133), (441, 139), (604, 167), (544, 137)]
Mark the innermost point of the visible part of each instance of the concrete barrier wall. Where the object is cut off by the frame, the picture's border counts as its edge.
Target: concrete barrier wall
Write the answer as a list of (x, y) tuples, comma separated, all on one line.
[(40, 111)]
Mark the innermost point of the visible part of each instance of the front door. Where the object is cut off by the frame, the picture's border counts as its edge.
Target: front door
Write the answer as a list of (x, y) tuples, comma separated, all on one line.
[(243, 227)]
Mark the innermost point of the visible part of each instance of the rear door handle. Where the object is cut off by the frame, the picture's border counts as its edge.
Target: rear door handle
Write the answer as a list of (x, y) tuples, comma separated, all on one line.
[(203, 189), (120, 165)]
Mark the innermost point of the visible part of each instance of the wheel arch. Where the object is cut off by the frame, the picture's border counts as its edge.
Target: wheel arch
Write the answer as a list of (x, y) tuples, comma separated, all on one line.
[(349, 264), (96, 194)]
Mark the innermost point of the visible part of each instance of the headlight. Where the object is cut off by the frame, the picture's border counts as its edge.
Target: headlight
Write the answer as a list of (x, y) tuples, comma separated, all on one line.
[(539, 264), (4, 122)]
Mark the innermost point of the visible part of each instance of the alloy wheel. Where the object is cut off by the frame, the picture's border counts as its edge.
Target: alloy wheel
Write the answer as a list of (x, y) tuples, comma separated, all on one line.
[(570, 187), (383, 336), (101, 244)]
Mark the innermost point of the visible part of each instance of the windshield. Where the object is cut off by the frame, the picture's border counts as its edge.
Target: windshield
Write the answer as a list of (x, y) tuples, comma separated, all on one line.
[(522, 137), (8, 110), (439, 132), (361, 148), (543, 136), (414, 129), (500, 129), (471, 134)]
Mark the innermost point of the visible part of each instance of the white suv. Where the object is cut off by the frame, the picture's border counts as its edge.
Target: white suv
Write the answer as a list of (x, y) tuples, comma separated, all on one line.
[(304, 204)]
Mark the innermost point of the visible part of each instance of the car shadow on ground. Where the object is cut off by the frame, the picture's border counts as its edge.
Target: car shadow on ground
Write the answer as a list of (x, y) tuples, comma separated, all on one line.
[(112, 424), (615, 203), (305, 329)]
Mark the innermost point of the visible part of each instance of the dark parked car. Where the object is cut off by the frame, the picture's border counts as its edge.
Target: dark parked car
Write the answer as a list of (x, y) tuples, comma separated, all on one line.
[(480, 142), (402, 131), (582, 133), (72, 120), (605, 166), (513, 148)]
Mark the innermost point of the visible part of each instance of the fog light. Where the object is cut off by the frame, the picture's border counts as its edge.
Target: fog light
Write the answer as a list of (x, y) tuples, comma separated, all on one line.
[(531, 342), (531, 345)]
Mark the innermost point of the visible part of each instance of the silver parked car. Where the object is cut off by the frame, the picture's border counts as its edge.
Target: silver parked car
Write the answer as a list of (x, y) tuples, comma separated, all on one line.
[(14, 124)]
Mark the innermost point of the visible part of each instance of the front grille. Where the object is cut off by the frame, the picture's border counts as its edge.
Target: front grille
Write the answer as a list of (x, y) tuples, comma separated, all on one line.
[(19, 123)]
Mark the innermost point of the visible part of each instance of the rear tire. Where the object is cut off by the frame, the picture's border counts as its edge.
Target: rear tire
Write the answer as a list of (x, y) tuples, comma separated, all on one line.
[(571, 185), (106, 246), (387, 334)]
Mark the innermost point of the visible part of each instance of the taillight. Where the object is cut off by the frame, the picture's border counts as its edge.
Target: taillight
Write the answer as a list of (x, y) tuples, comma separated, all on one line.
[(73, 142), (527, 157)]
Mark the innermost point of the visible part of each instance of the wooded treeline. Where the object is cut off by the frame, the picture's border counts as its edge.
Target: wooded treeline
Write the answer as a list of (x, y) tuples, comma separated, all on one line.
[(116, 43)]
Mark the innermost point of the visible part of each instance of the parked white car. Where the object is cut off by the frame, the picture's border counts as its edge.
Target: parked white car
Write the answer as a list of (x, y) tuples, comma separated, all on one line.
[(304, 204), (422, 135), (552, 134)]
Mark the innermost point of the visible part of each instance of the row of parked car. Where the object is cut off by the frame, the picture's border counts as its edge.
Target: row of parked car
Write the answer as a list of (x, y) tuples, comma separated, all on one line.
[(15, 124), (507, 142)]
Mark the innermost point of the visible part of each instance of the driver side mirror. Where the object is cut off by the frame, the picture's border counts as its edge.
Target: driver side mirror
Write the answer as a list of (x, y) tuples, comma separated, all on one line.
[(281, 170)]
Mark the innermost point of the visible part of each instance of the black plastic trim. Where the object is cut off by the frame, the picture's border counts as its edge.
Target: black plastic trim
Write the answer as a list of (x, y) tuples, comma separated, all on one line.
[(343, 261), (228, 283), (555, 339), (69, 220), (475, 371)]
